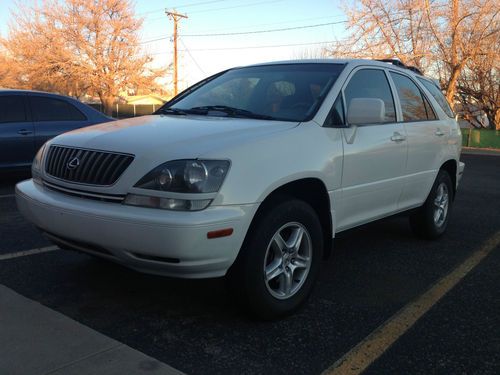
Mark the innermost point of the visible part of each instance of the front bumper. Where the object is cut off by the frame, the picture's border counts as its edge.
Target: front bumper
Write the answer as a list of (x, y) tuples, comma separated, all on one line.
[(169, 243), (460, 172)]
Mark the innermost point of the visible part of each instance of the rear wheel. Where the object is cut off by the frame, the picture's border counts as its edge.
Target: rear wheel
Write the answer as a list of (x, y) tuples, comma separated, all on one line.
[(430, 220), (279, 261)]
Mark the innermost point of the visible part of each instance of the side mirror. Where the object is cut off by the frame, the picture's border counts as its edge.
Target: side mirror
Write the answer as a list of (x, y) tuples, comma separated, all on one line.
[(366, 111)]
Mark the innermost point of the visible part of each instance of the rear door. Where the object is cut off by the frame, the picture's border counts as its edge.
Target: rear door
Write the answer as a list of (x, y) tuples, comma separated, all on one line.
[(16, 132), (374, 154), (53, 116), (427, 137)]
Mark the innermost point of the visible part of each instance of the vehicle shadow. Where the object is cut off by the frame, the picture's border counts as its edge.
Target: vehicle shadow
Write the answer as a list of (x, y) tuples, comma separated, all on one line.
[(9, 179)]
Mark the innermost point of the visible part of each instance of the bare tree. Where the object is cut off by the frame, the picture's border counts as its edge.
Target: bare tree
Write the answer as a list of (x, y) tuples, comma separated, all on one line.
[(479, 86), (440, 37), (80, 46)]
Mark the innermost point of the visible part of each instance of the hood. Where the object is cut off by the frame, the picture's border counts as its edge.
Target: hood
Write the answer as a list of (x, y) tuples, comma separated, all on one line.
[(171, 137)]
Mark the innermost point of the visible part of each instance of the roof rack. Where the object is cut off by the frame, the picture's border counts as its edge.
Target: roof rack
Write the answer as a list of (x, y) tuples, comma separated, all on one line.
[(398, 63)]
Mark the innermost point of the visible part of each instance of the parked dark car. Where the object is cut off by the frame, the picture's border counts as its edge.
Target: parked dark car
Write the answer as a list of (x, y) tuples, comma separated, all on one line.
[(29, 118)]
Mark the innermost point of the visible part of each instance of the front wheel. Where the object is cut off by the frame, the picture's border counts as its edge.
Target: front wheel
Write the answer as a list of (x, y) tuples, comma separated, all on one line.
[(430, 220), (280, 259)]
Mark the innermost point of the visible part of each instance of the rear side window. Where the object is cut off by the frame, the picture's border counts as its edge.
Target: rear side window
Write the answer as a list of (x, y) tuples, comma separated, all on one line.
[(413, 103), (371, 83), (50, 109), (438, 95), (12, 109)]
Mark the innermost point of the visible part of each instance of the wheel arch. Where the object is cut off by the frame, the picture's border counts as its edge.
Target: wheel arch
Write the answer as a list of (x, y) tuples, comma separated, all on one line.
[(450, 166), (311, 190)]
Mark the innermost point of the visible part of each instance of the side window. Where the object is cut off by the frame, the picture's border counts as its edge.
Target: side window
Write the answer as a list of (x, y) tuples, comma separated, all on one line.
[(12, 109), (371, 83), (438, 95), (336, 116), (410, 97), (50, 109)]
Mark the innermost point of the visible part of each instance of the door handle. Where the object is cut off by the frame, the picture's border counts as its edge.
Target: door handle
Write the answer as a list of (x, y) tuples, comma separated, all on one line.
[(24, 132), (397, 137), (439, 133)]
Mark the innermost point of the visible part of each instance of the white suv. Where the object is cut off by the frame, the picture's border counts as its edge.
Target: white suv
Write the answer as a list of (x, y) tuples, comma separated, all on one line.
[(251, 173)]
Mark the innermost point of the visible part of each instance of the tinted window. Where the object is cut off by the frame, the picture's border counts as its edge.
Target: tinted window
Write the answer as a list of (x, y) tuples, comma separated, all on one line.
[(225, 93), (371, 83), (283, 92), (12, 109), (49, 109), (410, 97), (438, 95)]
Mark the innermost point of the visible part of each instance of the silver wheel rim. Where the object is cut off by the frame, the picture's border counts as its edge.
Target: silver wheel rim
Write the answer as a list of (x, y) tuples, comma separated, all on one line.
[(287, 260), (441, 203)]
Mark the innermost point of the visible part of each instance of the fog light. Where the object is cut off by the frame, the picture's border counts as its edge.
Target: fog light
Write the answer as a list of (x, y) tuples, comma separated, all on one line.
[(172, 204)]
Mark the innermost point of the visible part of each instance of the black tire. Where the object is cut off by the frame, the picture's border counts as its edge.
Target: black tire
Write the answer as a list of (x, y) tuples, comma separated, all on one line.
[(422, 221), (246, 278)]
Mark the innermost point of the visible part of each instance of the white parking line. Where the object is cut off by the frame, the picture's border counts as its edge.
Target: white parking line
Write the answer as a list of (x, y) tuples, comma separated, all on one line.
[(28, 252), (7, 196)]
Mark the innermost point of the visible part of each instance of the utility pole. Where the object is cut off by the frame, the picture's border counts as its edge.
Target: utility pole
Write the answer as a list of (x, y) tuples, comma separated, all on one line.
[(176, 17)]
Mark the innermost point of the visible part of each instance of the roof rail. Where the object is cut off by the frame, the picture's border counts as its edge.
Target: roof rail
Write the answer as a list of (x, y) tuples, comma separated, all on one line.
[(398, 63)]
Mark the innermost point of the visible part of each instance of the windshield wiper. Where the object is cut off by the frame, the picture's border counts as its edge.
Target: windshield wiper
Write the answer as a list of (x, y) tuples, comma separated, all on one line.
[(230, 111), (171, 111)]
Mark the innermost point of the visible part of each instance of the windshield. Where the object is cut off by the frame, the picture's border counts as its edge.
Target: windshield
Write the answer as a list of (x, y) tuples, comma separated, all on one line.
[(289, 92)]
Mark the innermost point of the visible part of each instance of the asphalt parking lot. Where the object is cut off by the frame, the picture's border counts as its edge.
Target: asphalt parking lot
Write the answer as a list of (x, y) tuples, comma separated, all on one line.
[(375, 270)]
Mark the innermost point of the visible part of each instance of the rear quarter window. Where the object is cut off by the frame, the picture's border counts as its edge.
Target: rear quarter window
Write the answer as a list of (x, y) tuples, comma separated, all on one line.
[(438, 95)]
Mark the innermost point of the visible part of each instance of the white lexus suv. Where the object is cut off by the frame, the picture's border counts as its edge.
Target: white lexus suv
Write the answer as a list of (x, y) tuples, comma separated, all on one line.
[(250, 174)]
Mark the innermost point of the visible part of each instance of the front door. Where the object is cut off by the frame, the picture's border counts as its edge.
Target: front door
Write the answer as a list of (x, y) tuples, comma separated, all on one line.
[(374, 155)]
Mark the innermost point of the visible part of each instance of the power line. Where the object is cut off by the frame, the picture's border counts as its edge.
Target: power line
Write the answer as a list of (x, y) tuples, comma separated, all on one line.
[(225, 8), (162, 37), (182, 6), (249, 32), (237, 6), (266, 46), (192, 58), (268, 31), (251, 47)]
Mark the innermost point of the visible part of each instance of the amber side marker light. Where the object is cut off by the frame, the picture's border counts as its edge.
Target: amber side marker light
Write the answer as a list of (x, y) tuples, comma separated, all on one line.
[(220, 233)]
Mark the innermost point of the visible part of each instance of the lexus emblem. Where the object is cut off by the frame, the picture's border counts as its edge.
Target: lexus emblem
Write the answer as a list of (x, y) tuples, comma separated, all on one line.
[(73, 163)]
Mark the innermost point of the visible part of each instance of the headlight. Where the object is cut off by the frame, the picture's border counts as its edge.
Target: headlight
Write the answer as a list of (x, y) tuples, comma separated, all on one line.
[(36, 166), (181, 176), (186, 176)]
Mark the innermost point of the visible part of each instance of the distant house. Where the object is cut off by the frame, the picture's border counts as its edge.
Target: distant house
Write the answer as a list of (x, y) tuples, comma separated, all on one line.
[(471, 117), (145, 100), (138, 105), (131, 105)]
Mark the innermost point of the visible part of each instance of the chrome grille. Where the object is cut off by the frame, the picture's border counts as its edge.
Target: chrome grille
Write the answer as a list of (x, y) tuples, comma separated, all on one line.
[(92, 167)]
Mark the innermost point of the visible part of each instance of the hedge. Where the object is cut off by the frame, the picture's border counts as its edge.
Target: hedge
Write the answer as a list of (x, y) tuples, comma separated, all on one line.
[(481, 138)]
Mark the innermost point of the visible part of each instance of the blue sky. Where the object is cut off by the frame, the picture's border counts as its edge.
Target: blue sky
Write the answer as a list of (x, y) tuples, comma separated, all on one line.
[(205, 55)]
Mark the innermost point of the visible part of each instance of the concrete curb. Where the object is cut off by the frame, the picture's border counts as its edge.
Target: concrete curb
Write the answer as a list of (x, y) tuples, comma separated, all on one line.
[(481, 151), (36, 340)]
